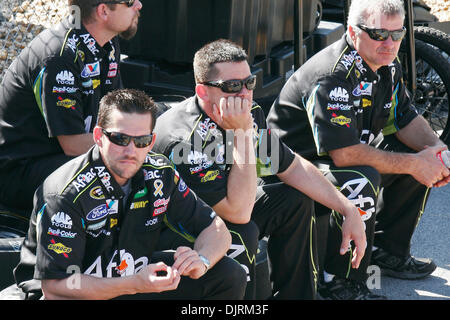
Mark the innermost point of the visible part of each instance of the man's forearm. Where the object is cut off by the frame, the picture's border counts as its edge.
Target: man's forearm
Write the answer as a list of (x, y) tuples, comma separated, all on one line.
[(214, 241), (305, 177), (382, 161), (74, 145), (84, 287), (241, 186), (418, 134)]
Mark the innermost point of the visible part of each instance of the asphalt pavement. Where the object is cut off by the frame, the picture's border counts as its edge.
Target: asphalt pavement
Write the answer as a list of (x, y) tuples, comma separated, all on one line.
[(430, 240)]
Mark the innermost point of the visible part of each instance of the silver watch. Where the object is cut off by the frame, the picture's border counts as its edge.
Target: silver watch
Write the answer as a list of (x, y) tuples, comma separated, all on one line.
[(205, 261)]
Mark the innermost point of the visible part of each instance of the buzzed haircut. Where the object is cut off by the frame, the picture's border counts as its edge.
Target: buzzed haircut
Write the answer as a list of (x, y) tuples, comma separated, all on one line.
[(218, 51)]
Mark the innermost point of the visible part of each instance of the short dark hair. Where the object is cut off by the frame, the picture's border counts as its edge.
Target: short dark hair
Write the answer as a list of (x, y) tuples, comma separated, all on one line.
[(221, 50), (128, 101), (87, 8)]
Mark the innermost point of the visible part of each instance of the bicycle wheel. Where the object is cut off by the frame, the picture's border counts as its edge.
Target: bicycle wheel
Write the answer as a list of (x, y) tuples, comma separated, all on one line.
[(435, 37), (433, 86)]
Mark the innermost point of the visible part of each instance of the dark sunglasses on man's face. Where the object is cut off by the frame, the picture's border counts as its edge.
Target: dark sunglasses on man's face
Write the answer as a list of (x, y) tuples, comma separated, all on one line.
[(124, 140), (129, 3), (383, 34), (233, 86)]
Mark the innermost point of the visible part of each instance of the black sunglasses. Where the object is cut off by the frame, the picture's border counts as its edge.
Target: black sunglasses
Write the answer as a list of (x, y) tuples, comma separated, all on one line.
[(124, 140), (129, 3), (235, 85), (383, 34)]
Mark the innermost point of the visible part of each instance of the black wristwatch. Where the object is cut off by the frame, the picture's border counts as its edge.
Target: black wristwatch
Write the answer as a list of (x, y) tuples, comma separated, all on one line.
[(205, 261)]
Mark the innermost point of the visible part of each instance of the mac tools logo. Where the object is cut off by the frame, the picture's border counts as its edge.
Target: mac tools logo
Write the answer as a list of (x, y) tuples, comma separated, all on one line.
[(65, 77), (339, 94), (61, 220)]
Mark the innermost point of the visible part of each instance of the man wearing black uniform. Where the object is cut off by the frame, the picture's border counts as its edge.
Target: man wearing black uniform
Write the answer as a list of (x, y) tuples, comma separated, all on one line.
[(100, 216), (348, 110), (220, 144), (49, 96)]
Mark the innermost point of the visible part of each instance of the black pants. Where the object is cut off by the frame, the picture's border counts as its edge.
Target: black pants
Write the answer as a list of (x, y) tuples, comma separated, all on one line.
[(286, 217), (224, 281), (393, 206), (18, 182)]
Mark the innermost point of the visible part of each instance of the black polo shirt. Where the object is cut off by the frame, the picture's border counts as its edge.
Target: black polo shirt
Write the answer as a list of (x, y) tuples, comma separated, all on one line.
[(335, 100), (80, 219), (202, 151), (53, 88)]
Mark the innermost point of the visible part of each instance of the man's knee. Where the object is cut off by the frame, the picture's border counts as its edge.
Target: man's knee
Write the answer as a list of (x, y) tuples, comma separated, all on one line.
[(245, 234), (233, 277)]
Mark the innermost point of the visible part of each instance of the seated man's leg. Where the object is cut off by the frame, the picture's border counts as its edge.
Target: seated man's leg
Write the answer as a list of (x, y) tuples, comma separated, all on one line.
[(286, 216), (244, 246), (224, 281), (18, 183), (360, 185), (401, 203)]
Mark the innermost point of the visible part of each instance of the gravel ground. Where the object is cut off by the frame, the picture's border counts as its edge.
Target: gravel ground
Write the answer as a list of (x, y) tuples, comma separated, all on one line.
[(439, 8)]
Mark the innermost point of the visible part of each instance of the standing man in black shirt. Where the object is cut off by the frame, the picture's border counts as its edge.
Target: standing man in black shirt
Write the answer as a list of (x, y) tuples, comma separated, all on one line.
[(100, 216), (348, 110), (220, 144), (49, 96)]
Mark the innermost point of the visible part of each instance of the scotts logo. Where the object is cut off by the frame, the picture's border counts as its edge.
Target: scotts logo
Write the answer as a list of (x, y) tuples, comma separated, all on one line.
[(141, 193), (97, 213), (341, 120), (59, 248), (209, 176)]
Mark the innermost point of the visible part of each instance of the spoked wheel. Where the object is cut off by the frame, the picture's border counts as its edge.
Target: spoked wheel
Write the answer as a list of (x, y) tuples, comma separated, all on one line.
[(433, 86)]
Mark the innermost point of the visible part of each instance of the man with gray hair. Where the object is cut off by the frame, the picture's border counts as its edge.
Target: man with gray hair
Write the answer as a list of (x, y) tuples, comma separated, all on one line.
[(348, 111)]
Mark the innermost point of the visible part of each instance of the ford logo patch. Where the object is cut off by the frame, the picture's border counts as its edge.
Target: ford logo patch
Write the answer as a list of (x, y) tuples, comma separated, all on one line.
[(97, 213)]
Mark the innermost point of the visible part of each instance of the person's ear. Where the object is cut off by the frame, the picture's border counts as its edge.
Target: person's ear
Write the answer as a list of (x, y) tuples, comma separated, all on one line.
[(97, 134), (351, 33), (202, 92), (101, 12), (150, 147)]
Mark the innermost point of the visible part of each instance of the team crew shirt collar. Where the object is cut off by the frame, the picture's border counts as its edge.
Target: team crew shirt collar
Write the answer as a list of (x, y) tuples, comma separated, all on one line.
[(368, 74), (111, 188)]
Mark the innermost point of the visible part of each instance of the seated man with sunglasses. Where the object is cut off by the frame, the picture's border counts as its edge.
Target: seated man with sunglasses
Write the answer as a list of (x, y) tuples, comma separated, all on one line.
[(220, 145), (49, 96), (348, 111), (97, 219)]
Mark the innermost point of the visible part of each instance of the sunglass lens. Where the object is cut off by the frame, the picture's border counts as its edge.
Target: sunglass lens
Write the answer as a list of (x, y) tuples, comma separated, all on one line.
[(232, 86), (120, 139), (142, 142), (398, 35), (251, 83)]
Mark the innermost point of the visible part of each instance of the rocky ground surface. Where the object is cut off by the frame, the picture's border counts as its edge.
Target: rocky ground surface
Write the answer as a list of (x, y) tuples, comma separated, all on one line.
[(439, 8)]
